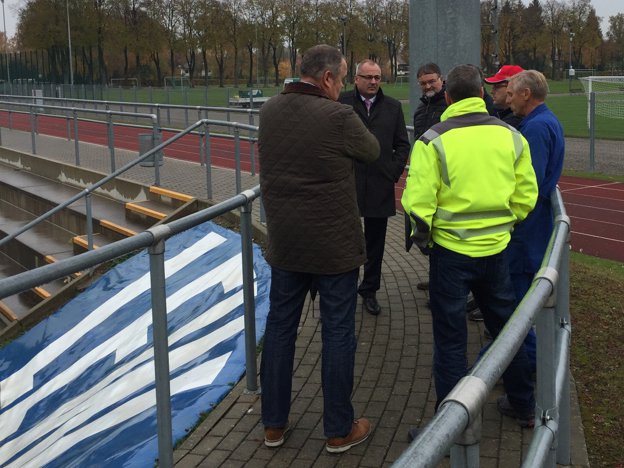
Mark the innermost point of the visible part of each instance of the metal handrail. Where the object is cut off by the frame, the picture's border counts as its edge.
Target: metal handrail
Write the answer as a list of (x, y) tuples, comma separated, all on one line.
[(456, 426)]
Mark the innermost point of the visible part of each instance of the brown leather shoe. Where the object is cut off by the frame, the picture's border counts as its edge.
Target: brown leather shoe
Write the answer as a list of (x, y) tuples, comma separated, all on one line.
[(274, 436), (360, 430)]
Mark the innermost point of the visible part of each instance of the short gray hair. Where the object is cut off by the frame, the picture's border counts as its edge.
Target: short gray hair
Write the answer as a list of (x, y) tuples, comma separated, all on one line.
[(319, 58), (363, 62), (533, 80), (464, 81)]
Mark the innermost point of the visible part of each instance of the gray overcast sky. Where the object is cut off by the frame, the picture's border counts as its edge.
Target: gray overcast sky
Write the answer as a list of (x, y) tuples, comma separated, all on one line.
[(604, 9)]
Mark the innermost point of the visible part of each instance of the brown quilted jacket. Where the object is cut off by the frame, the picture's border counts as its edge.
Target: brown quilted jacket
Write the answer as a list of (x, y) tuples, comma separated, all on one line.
[(308, 144)]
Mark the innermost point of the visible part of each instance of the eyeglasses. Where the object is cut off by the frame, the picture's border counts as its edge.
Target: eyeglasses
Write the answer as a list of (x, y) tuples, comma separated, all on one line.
[(371, 77), (424, 84)]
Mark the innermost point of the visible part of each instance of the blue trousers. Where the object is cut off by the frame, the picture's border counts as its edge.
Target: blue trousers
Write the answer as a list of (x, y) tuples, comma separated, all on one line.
[(451, 277), (338, 298)]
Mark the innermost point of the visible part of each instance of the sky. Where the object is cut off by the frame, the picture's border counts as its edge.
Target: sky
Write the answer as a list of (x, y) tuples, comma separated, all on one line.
[(604, 9)]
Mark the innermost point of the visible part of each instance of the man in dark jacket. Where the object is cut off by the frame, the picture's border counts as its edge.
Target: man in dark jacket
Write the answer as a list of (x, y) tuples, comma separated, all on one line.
[(308, 143), (432, 104), (383, 116)]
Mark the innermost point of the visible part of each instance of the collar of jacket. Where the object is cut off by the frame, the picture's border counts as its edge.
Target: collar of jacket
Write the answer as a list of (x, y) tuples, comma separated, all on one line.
[(436, 97), (540, 109), (465, 106), (358, 96), (304, 88)]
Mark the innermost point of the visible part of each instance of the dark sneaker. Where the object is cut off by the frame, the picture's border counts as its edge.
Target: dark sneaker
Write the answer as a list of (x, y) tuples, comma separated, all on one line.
[(274, 436), (423, 285), (475, 315), (360, 430), (505, 408)]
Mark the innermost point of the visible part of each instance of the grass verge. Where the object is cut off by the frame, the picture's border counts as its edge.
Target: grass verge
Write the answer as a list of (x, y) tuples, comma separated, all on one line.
[(597, 310)]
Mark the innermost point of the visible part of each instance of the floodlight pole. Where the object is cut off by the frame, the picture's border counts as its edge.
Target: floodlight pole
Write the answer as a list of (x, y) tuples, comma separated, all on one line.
[(71, 66), (6, 40)]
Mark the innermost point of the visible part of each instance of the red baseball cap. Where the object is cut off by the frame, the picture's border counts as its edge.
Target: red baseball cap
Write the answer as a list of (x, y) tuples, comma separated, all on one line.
[(506, 72)]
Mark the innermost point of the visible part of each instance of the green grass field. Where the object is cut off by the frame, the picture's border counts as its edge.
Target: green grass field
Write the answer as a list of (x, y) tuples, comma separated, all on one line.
[(570, 108)]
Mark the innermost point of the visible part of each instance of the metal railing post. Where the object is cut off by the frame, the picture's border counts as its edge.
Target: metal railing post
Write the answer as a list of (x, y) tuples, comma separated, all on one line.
[(252, 146), (208, 160), (161, 354), (157, 140), (32, 131), (89, 209), (562, 312), (592, 130), (111, 139), (76, 141), (158, 115), (237, 160), (248, 293), (68, 127)]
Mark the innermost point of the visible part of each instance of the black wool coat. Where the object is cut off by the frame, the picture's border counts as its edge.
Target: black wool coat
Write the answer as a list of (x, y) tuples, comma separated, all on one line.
[(375, 181)]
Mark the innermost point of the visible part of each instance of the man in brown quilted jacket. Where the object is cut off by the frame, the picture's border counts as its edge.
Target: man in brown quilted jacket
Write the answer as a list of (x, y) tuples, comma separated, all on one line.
[(308, 145)]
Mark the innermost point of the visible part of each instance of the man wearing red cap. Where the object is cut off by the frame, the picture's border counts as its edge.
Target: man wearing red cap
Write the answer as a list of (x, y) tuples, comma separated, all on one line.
[(499, 94)]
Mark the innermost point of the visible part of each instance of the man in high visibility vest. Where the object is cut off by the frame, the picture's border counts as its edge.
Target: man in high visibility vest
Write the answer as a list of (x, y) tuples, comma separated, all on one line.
[(470, 181)]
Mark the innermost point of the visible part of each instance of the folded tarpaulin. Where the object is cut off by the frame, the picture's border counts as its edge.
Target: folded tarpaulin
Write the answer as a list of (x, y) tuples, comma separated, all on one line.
[(78, 388)]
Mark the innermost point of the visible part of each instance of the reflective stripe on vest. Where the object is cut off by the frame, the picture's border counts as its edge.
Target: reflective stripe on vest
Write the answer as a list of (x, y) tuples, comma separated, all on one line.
[(450, 216), (468, 233)]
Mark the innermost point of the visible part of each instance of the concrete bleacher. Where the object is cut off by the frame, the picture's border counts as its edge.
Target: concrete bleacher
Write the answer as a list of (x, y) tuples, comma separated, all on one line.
[(31, 186)]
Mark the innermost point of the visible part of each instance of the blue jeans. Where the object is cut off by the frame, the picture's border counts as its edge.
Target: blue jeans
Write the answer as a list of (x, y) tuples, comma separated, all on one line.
[(338, 298), (451, 277)]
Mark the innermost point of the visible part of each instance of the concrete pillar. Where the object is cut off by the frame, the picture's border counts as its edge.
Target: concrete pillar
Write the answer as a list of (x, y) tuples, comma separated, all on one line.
[(447, 32)]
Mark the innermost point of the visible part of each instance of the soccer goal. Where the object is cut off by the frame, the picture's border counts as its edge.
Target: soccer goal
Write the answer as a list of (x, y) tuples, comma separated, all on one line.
[(177, 81), (124, 83), (609, 95)]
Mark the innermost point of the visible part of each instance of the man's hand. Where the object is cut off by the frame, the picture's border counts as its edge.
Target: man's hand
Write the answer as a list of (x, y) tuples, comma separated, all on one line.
[(421, 234)]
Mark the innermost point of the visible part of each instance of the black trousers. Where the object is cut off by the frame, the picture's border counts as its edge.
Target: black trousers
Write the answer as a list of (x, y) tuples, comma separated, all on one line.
[(375, 235)]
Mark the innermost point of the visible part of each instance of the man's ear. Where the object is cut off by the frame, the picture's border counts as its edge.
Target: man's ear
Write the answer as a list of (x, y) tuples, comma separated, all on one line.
[(482, 92), (447, 98), (327, 79)]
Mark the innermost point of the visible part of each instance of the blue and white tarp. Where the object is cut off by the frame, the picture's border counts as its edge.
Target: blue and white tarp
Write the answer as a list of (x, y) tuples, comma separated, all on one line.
[(78, 389)]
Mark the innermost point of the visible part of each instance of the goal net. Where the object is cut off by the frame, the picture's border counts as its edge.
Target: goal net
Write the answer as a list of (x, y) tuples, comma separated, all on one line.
[(609, 94), (177, 81)]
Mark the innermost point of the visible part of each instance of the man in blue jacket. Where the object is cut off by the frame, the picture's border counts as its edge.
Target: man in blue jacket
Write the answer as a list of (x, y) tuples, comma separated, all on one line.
[(526, 93)]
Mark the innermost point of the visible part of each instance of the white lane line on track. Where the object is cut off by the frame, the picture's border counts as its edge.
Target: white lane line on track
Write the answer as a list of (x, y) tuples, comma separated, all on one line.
[(597, 237), (577, 186)]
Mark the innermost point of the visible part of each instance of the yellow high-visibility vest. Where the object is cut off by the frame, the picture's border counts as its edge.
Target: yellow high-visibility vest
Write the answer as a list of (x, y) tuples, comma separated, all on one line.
[(471, 179)]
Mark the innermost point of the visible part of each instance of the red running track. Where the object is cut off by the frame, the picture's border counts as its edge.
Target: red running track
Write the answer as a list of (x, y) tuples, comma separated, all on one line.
[(127, 137), (596, 208), (596, 211)]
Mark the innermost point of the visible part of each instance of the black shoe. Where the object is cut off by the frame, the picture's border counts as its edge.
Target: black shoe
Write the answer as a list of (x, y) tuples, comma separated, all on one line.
[(505, 408), (412, 434), (423, 285), (372, 306)]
